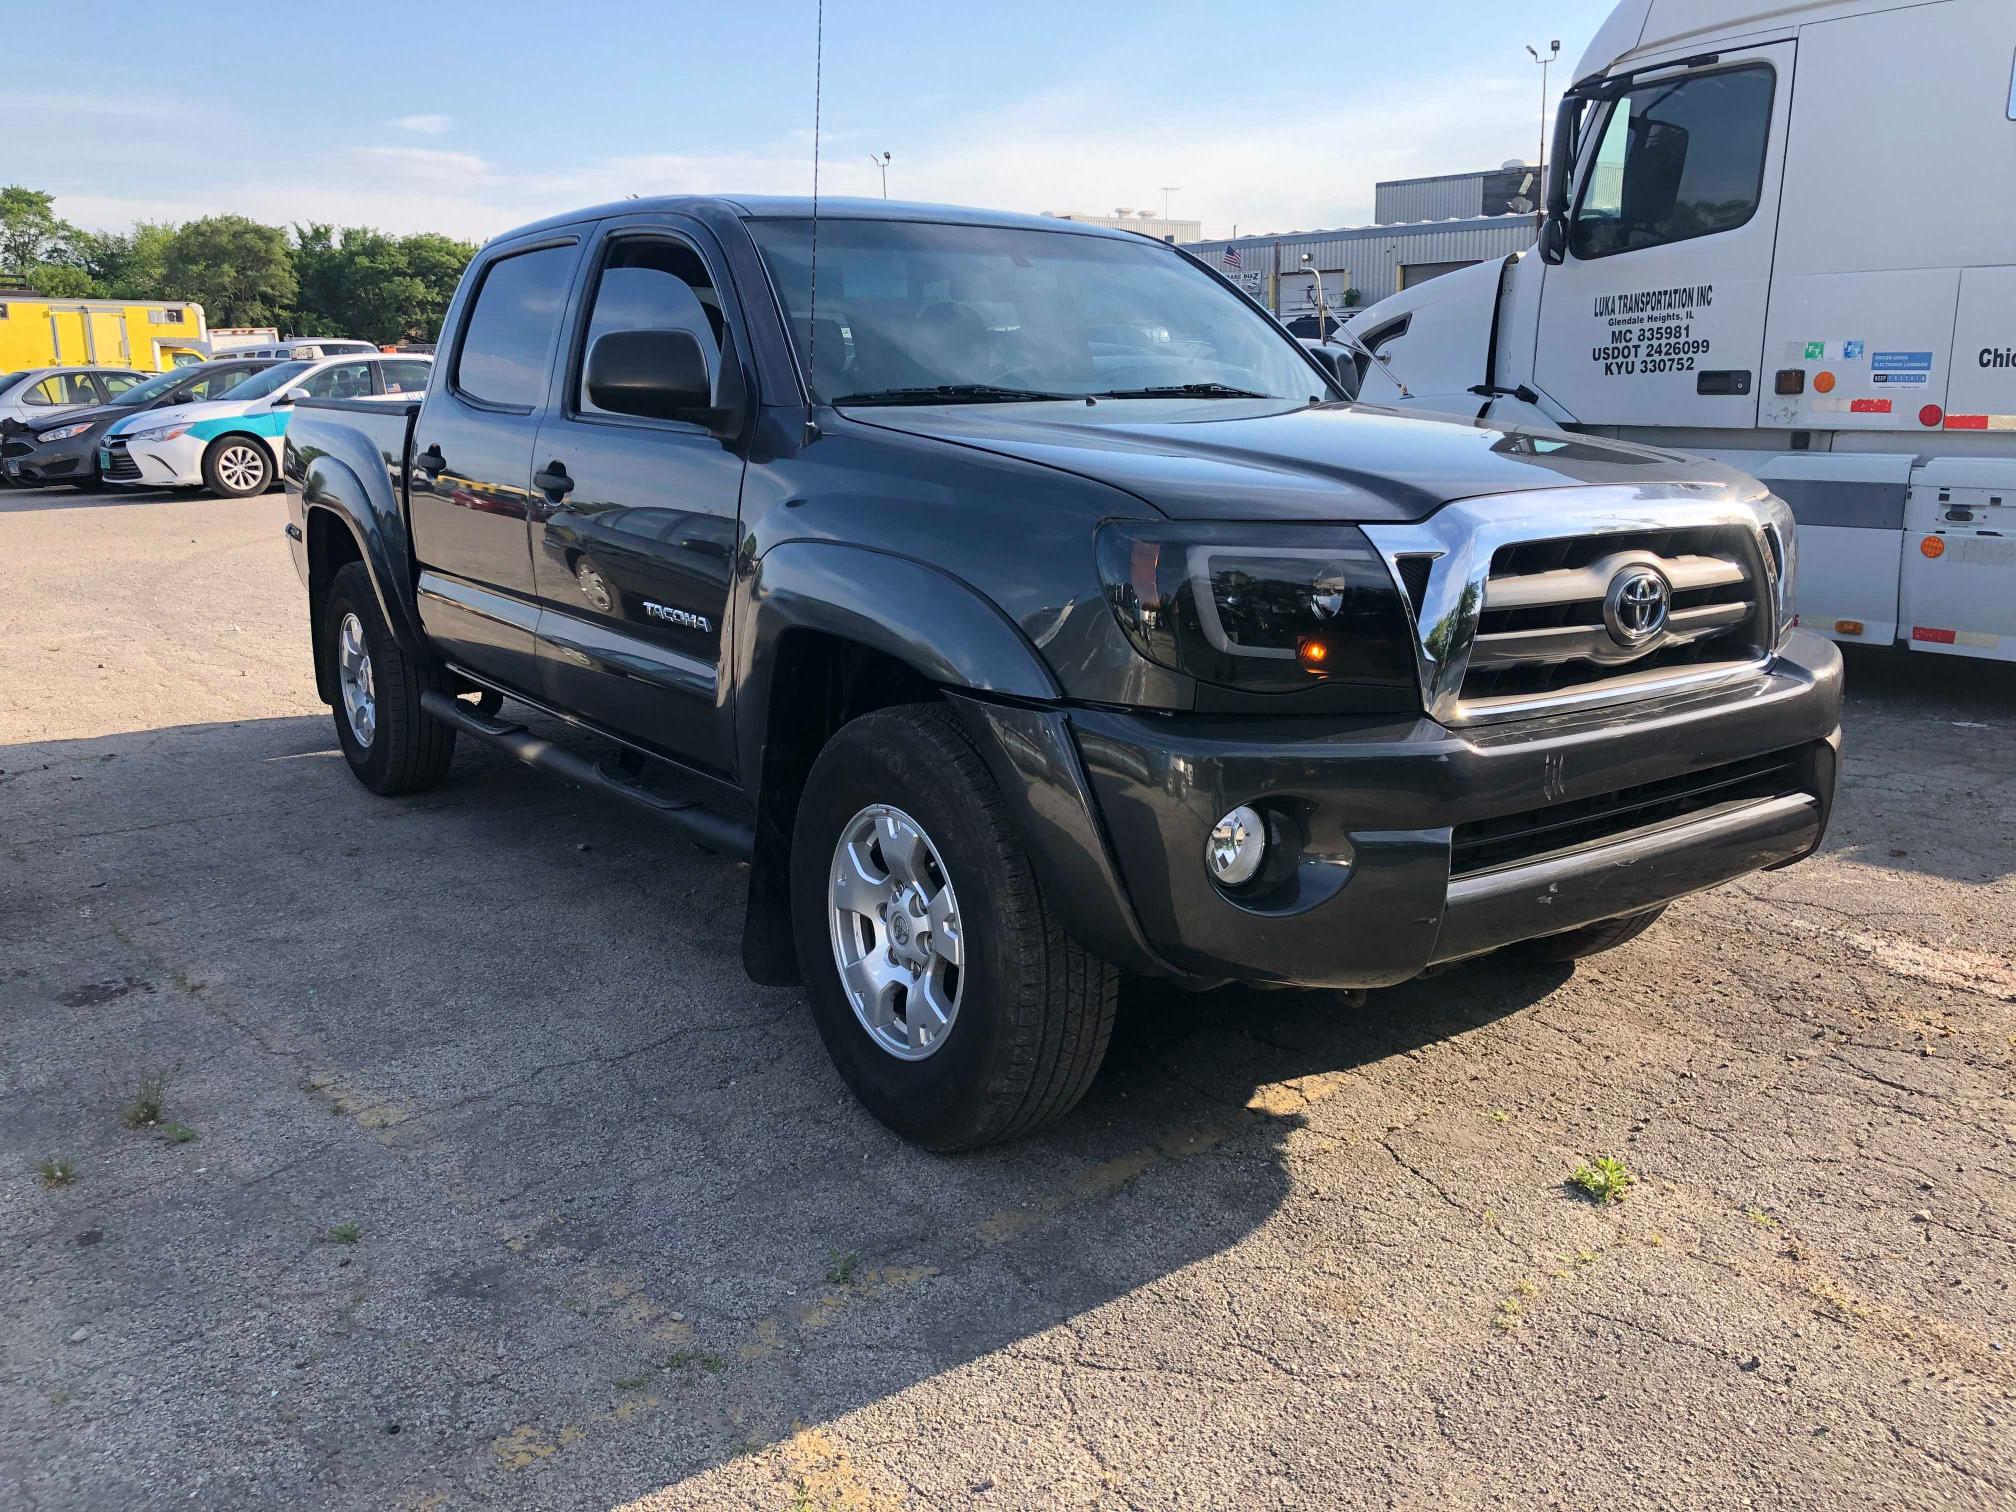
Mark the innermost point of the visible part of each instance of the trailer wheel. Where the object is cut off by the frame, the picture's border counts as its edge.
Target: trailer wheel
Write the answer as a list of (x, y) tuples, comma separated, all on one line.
[(237, 467), (392, 744), (949, 995)]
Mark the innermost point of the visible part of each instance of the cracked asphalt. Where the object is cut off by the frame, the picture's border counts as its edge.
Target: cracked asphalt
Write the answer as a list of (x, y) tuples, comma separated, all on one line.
[(481, 1176)]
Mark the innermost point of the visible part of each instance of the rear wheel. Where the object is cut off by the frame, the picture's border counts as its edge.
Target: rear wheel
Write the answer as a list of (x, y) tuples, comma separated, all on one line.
[(1574, 944), (950, 998), (237, 467), (392, 744)]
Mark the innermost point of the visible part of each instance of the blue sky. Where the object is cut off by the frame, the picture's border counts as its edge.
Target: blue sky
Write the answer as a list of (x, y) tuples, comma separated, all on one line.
[(471, 118)]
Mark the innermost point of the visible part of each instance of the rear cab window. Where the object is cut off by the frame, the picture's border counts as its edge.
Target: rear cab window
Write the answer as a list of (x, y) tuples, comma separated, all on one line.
[(507, 339)]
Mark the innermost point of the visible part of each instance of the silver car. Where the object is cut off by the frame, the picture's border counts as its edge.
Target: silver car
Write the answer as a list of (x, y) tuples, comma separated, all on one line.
[(31, 397)]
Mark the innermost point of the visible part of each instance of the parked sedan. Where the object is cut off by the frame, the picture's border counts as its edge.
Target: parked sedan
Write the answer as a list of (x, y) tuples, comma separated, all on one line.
[(64, 449), (231, 446), (32, 396)]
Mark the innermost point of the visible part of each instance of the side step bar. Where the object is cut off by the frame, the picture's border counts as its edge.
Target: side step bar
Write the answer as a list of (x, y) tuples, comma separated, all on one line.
[(702, 826)]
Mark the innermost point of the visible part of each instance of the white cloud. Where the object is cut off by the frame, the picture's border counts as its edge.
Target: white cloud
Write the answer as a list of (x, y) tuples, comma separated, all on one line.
[(426, 125)]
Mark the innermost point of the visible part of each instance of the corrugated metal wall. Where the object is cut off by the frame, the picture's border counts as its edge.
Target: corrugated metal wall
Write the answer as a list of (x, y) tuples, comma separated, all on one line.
[(1448, 196), (1371, 255)]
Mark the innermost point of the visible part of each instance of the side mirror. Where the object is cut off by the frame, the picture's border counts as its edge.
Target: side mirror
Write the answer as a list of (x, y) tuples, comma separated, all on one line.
[(292, 396), (660, 375), (1554, 240)]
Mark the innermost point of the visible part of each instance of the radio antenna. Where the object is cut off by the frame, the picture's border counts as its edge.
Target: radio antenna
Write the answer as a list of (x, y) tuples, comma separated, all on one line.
[(812, 315)]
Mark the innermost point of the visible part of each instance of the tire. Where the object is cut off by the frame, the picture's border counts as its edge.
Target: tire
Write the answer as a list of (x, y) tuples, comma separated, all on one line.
[(399, 748), (237, 467), (1590, 939), (1033, 1009)]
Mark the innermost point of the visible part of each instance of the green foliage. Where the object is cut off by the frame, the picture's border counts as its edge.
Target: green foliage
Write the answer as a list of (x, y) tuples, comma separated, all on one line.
[(56, 1171), (1604, 1178), (323, 280), (347, 1232), (241, 272), (30, 231)]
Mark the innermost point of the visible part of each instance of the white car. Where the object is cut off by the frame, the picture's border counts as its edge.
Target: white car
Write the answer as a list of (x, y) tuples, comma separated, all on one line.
[(231, 445)]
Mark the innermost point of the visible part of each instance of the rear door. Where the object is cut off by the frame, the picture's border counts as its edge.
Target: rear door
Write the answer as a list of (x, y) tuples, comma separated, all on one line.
[(471, 487), (1656, 313), (634, 550)]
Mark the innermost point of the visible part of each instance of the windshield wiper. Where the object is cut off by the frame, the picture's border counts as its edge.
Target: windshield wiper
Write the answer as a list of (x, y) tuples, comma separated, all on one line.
[(1183, 391), (951, 393)]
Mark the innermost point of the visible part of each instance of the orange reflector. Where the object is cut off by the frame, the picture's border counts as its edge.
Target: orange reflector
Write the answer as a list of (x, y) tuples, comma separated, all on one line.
[(1312, 653), (1932, 546), (1847, 627), (1823, 383)]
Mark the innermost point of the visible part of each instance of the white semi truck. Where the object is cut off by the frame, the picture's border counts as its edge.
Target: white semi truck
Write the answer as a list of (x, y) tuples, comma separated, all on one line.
[(1783, 236)]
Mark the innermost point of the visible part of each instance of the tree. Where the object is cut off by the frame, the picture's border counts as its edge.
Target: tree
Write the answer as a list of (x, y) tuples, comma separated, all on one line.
[(355, 281), (62, 281), (241, 272), (127, 264), (30, 231)]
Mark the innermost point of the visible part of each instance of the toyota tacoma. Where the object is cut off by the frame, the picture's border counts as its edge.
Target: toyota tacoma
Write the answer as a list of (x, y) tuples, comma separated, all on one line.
[(1028, 608)]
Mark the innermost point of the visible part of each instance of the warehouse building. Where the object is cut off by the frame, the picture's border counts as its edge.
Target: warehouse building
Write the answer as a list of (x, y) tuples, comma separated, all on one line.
[(1359, 264), (1513, 189), (1146, 222)]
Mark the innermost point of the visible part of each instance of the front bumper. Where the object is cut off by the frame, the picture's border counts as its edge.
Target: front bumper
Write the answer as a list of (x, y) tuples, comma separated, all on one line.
[(1383, 873), (30, 463), (155, 464)]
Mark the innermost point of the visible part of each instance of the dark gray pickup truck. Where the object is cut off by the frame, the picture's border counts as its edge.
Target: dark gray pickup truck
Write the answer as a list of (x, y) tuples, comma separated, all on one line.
[(1028, 608)]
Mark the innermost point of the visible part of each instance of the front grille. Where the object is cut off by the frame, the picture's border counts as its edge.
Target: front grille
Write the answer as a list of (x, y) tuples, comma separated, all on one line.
[(17, 448), (1542, 627), (1486, 844), (120, 463)]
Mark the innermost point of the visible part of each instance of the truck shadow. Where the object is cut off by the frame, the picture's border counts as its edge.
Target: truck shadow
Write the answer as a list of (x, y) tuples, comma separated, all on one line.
[(615, 1160), (39, 500)]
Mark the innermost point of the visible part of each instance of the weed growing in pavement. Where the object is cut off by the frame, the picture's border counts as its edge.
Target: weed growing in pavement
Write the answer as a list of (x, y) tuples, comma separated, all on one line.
[(347, 1232), (1499, 1115), (840, 1266), (179, 1133), (56, 1171), (144, 1111), (1763, 1219), (679, 1359), (1605, 1178), (632, 1383)]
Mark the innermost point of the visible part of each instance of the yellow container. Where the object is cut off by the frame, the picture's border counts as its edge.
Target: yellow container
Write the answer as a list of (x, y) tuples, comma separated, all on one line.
[(153, 336)]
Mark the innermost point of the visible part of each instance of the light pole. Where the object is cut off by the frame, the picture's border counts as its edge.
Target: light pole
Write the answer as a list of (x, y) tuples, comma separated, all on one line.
[(1167, 190), (1540, 174), (882, 162)]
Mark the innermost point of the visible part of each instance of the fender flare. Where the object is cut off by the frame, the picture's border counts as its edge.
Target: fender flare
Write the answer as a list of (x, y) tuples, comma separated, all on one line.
[(346, 476), (918, 614)]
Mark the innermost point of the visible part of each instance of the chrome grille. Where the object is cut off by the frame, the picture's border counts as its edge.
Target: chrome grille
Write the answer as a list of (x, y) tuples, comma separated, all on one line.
[(1567, 597)]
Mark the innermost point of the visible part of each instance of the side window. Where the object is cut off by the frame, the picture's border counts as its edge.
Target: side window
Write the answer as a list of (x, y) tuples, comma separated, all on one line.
[(117, 383), (49, 391), (342, 380), (211, 385), (509, 334), (1677, 159), (652, 284), (405, 377)]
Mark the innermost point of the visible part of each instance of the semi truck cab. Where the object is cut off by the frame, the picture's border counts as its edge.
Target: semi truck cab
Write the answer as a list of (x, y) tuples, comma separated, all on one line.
[(1779, 237)]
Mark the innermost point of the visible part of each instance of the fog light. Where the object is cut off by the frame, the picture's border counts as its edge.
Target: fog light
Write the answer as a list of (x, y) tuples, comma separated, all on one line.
[(1236, 847)]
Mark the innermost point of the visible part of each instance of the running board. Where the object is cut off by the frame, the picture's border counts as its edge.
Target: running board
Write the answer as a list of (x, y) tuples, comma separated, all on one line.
[(705, 828)]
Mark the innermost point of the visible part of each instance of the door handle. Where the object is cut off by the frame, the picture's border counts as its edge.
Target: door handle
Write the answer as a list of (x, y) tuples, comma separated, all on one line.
[(552, 480), (430, 461)]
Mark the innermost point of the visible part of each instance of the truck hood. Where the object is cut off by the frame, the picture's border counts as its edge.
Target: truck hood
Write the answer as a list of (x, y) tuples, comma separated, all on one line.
[(1254, 460)]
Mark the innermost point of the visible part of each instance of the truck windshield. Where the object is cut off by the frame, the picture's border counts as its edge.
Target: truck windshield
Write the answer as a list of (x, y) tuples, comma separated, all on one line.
[(269, 381), (921, 313)]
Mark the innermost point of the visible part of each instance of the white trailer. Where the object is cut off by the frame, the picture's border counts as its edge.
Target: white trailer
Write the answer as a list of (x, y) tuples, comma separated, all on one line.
[(1816, 284)]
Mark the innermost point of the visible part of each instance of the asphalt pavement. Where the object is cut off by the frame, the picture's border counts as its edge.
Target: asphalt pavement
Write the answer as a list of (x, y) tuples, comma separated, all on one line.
[(436, 1152)]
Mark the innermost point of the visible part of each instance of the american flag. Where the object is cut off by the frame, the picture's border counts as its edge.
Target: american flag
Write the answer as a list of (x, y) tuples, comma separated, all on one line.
[(1231, 258)]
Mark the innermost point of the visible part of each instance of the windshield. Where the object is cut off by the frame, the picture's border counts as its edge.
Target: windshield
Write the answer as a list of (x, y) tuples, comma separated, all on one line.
[(267, 381), (908, 310), (153, 388)]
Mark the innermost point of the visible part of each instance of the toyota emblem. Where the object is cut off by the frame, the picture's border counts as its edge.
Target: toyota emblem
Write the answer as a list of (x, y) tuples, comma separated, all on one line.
[(1636, 606)]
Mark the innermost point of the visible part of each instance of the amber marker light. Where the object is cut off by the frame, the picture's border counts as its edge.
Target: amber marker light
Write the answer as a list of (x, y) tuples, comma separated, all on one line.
[(1312, 653), (1932, 546)]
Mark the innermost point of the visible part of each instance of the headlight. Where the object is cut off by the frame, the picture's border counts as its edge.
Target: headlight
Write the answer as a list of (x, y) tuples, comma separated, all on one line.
[(165, 433), (63, 432), (1781, 540), (1257, 608)]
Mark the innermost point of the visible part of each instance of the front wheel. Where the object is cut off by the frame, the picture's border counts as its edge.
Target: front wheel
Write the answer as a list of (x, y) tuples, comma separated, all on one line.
[(392, 744), (237, 467), (950, 998)]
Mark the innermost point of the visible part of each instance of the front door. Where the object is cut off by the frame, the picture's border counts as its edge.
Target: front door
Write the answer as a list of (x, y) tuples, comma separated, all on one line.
[(1656, 313), (634, 545), (471, 480)]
